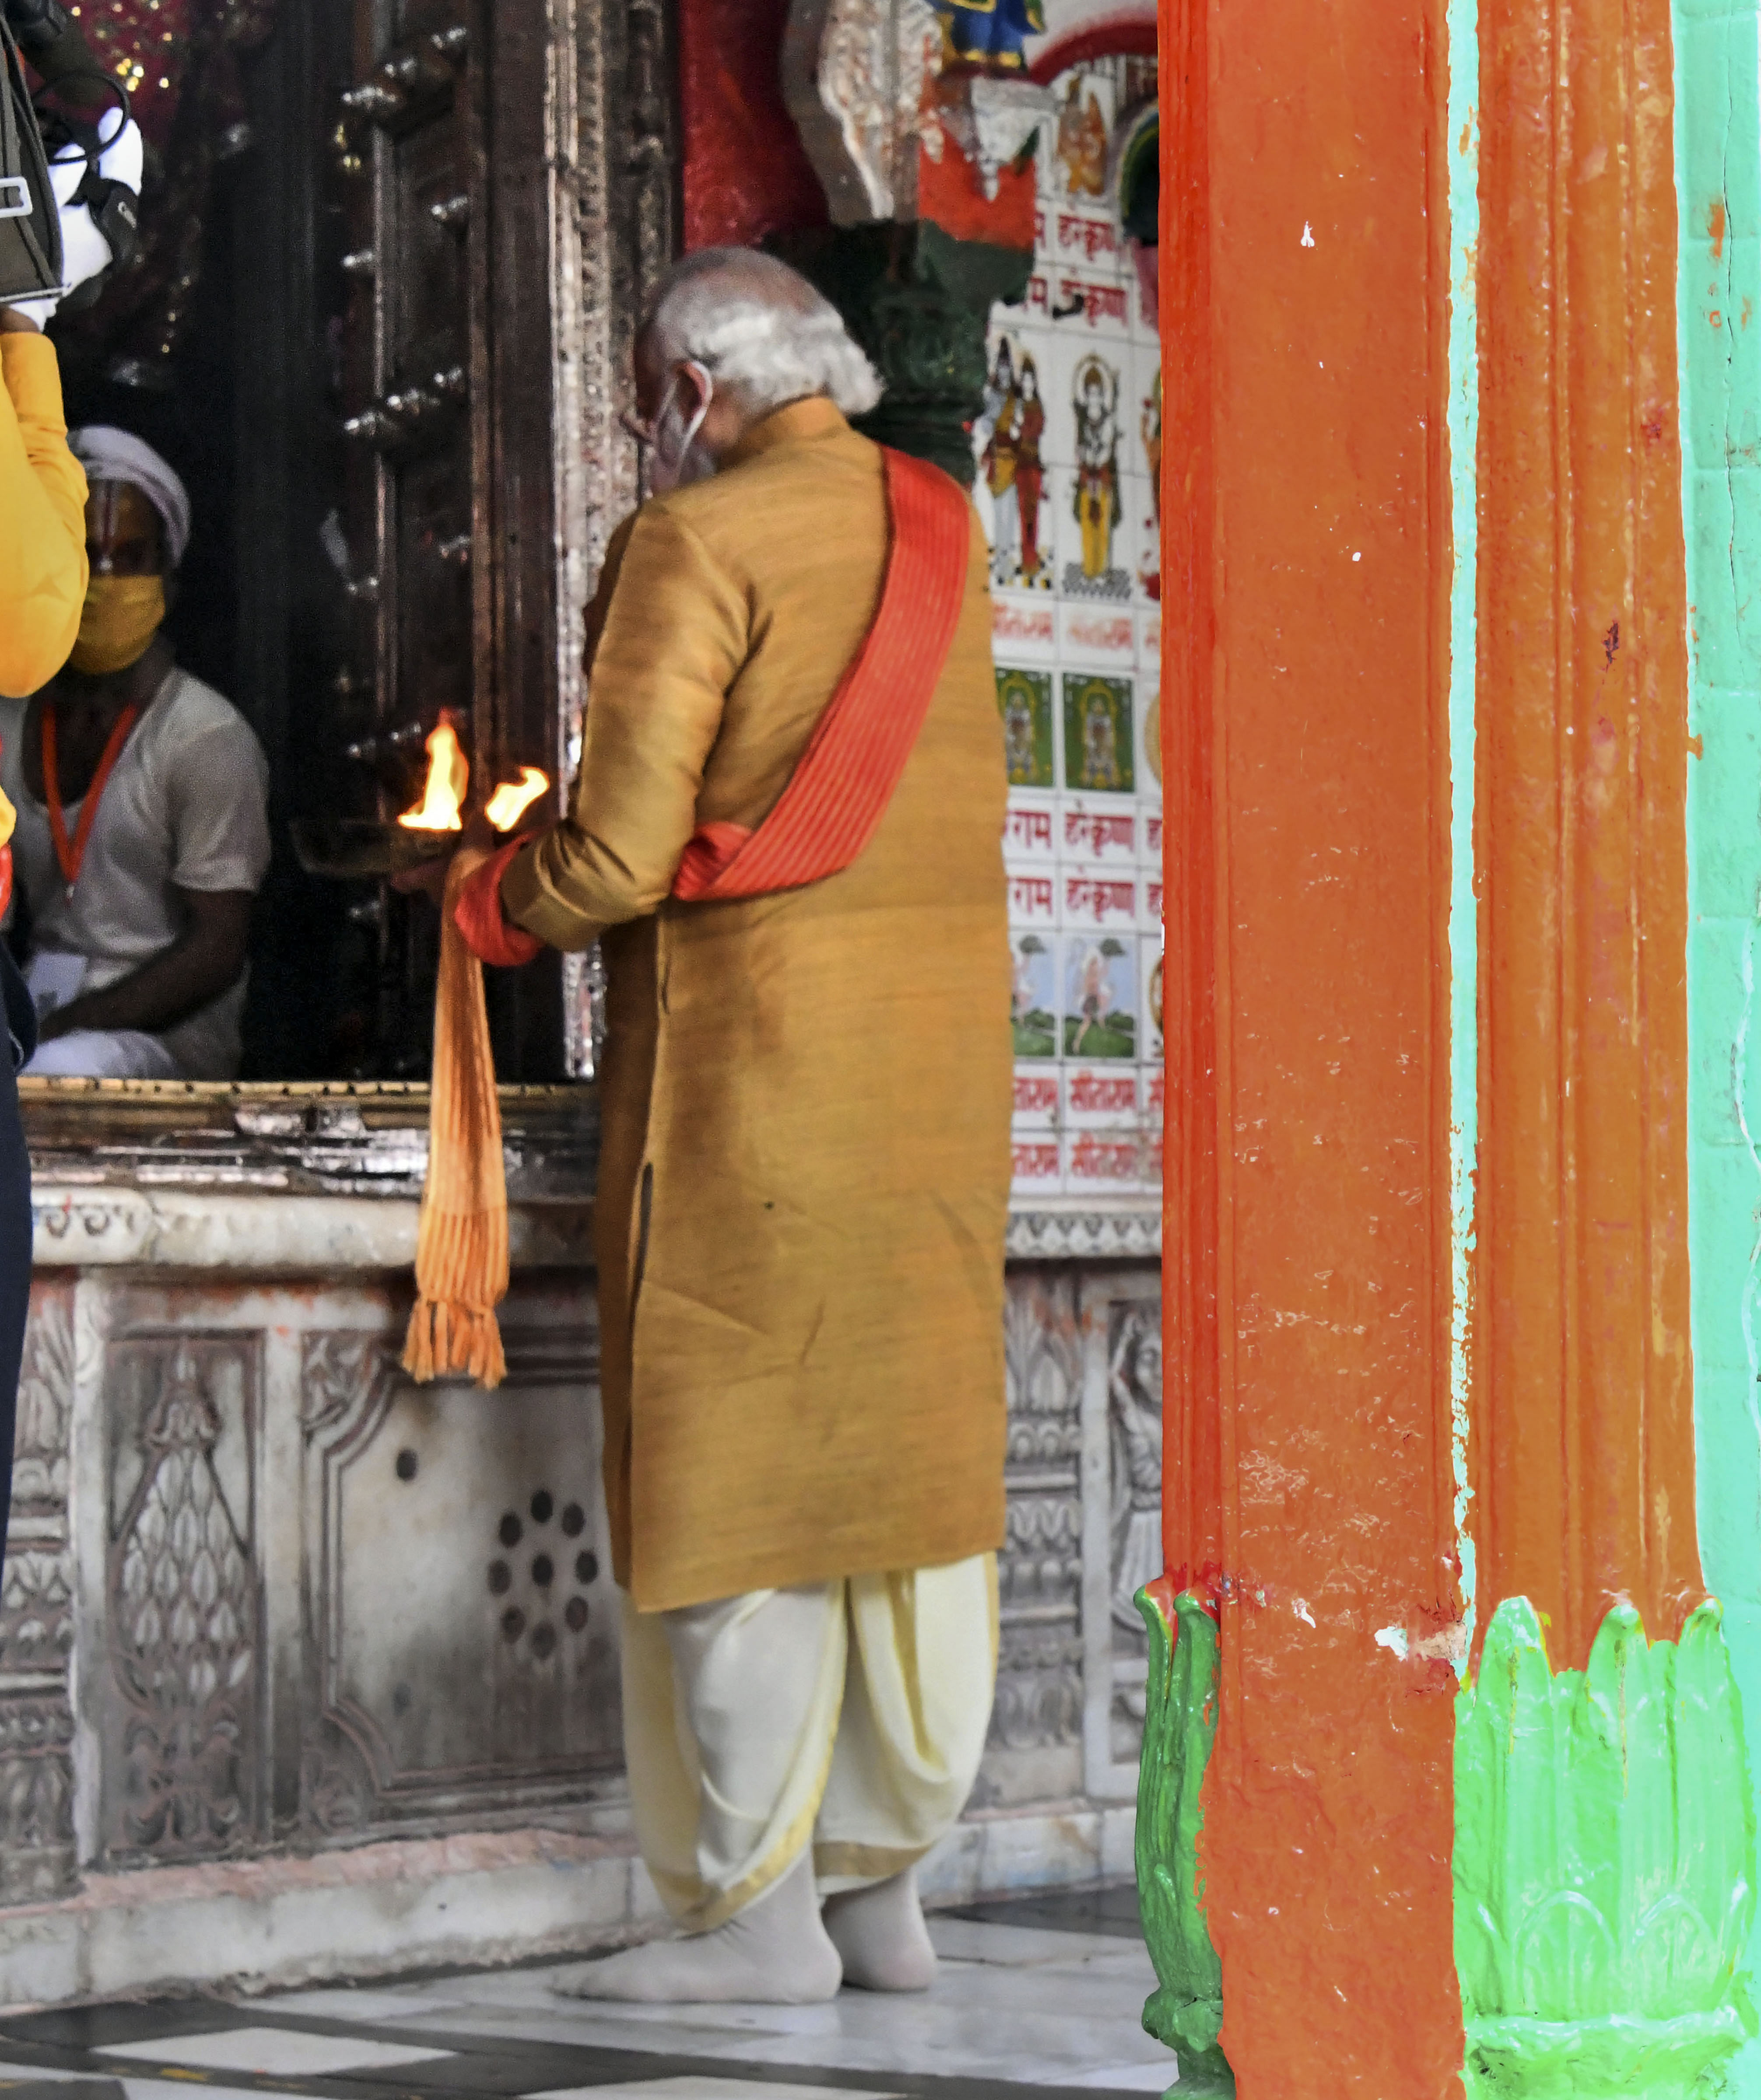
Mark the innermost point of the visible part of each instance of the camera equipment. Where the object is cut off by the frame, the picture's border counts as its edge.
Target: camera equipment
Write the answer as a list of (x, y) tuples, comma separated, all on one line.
[(42, 141)]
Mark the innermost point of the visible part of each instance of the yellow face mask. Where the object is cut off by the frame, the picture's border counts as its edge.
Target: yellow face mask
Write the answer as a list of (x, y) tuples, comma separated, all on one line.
[(122, 614), (8, 818)]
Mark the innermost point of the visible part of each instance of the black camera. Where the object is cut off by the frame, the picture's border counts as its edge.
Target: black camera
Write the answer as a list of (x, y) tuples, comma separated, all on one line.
[(49, 128)]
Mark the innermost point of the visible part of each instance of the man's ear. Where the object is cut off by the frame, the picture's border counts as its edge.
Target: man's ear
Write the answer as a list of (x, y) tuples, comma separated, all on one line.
[(173, 584)]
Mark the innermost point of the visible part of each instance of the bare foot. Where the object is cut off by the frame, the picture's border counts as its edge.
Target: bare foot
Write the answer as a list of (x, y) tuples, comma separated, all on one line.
[(880, 1933), (773, 1952)]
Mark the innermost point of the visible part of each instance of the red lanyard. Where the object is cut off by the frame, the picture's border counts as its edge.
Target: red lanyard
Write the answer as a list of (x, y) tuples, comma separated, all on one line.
[(70, 856)]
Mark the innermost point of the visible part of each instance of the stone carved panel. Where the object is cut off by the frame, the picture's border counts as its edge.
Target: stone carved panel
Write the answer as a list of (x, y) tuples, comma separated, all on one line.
[(1036, 1726), (855, 76), (37, 1609), (37, 1850), (1122, 1418), (36, 1618), (45, 1400), (181, 1726), (464, 1658)]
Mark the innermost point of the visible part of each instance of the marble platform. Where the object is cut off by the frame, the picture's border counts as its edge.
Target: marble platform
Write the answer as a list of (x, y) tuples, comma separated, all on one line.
[(1019, 2011), (394, 1738)]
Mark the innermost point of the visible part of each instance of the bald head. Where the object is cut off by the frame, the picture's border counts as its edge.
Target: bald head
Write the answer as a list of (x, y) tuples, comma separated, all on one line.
[(759, 330)]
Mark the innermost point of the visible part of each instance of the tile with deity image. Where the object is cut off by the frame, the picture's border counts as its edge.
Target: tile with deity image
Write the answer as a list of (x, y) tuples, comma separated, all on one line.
[(1097, 534), (1099, 742), (1008, 445), (1034, 1002), (1103, 897), (1039, 1097), (1024, 700), (1055, 357), (1151, 959), (1081, 137), (1101, 833), (1100, 1096), (1101, 991)]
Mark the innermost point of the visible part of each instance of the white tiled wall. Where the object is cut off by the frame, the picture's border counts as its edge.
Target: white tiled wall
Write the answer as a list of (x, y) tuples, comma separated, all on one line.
[(1078, 671)]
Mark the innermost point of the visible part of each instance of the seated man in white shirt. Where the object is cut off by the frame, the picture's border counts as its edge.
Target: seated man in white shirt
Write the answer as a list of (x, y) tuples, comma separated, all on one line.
[(143, 832)]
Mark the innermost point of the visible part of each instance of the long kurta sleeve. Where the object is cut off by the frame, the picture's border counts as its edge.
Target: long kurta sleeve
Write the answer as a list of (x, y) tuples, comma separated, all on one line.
[(42, 526), (672, 634)]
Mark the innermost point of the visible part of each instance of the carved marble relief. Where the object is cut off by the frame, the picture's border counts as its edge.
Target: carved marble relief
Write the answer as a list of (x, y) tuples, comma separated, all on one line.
[(1121, 1435), (1036, 1728), (45, 1401), (464, 1661), (36, 1635), (182, 1754)]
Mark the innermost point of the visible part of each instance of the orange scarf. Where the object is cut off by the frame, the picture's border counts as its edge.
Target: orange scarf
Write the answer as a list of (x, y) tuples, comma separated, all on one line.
[(839, 789), (461, 1243)]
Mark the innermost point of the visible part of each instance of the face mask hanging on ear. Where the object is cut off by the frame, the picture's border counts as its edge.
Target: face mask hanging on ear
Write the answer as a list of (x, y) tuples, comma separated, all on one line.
[(675, 463), (122, 615)]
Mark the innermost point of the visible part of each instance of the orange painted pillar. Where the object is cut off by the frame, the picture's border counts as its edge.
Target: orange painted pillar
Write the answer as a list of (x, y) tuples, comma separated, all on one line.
[(1304, 277), (1582, 1410)]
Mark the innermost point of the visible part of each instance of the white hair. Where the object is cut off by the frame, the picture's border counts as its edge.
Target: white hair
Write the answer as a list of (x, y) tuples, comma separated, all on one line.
[(760, 331)]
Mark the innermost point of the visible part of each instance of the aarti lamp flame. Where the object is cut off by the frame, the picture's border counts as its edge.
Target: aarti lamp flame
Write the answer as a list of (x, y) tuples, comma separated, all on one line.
[(448, 777), (512, 799)]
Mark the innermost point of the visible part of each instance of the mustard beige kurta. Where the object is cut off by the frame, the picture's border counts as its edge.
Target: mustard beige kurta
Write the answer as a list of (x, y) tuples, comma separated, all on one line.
[(804, 1177)]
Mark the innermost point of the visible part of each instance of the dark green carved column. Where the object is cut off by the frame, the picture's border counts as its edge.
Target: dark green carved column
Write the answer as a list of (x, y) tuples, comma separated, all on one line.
[(919, 302)]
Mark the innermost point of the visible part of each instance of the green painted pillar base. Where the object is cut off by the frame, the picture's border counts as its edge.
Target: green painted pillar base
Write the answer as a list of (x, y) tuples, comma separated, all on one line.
[(1605, 1865), (1616, 2058), (1179, 1724)]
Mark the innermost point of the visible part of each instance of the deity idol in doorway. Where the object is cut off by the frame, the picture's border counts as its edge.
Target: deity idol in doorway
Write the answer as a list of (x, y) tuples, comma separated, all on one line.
[(1002, 415), (1030, 474), (1098, 471), (1082, 141)]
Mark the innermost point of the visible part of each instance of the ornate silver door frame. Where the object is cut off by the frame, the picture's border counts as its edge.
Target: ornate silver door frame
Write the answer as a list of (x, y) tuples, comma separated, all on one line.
[(611, 129)]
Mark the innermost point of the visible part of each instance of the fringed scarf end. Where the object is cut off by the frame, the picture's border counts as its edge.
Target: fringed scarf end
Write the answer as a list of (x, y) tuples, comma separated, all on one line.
[(446, 1340)]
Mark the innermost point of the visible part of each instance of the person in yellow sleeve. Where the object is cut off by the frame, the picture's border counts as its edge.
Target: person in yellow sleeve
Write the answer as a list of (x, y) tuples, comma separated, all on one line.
[(42, 513), (42, 588)]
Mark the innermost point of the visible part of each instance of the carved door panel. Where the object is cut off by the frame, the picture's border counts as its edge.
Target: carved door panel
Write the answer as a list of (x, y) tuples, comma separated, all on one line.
[(405, 357), (445, 341)]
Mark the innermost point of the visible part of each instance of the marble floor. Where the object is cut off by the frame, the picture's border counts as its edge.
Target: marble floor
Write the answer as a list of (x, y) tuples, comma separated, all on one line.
[(1037, 1997)]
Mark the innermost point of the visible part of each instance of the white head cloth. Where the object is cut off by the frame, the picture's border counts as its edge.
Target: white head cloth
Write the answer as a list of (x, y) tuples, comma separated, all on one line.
[(108, 454)]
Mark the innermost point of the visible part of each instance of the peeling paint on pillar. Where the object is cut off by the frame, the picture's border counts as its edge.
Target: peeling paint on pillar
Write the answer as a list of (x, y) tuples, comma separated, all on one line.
[(1310, 1492)]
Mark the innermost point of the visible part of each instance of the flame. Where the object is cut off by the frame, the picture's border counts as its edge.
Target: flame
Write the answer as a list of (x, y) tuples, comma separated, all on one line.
[(511, 799), (448, 776)]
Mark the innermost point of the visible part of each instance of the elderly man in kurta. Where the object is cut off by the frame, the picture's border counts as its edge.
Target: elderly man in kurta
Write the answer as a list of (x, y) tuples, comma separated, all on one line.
[(785, 832)]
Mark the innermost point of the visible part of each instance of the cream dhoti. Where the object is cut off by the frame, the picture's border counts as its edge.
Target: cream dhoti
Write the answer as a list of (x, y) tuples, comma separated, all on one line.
[(848, 1716)]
